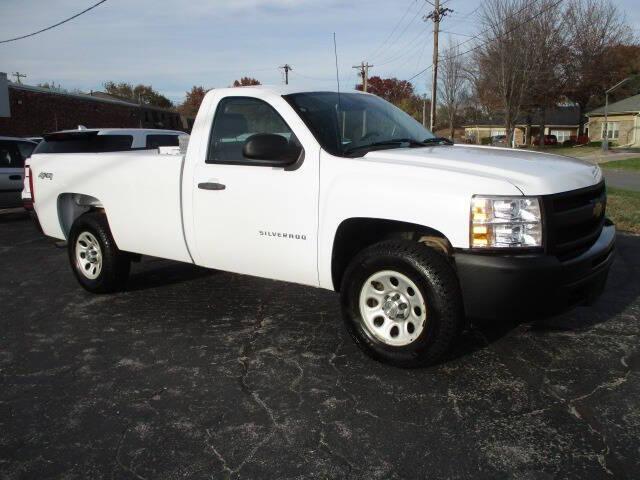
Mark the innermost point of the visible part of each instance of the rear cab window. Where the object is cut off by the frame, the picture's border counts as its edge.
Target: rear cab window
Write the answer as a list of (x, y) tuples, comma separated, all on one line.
[(164, 140)]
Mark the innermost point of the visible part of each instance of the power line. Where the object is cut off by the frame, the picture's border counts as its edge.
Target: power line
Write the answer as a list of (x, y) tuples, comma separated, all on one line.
[(409, 49), (412, 2), (53, 26), (526, 7), (554, 5), (457, 33), (404, 30)]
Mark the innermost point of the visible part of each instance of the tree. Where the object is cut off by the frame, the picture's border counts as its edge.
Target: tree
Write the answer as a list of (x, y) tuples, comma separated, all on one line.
[(452, 84), (391, 89), (246, 82), (595, 27), (504, 57), (144, 94), (193, 100), (547, 82), (399, 92)]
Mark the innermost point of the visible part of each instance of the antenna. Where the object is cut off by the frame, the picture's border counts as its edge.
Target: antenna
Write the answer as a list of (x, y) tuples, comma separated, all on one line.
[(335, 52)]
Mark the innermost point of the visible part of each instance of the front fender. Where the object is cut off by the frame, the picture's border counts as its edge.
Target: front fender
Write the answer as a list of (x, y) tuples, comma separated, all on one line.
[(426, 196)]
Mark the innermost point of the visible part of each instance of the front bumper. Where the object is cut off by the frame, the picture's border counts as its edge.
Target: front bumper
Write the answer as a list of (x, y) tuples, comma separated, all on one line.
[(502, 286)]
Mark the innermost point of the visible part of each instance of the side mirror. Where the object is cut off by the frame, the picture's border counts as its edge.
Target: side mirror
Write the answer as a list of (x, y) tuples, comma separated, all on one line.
[(270, 149)]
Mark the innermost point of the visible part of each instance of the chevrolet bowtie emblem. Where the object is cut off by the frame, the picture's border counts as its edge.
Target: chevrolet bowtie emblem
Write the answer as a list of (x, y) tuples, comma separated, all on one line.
[(597, 209)]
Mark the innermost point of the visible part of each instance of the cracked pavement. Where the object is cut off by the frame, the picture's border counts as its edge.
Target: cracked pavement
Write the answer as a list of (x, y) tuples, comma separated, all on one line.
[(202, 374)]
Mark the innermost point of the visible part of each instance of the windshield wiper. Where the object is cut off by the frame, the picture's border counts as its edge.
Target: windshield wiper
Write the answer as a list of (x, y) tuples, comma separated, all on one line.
[(437, 141)]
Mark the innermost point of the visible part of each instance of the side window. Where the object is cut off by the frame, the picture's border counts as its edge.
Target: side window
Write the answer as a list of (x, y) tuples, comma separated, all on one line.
[(155, 141), (237, 119), (10, 156)]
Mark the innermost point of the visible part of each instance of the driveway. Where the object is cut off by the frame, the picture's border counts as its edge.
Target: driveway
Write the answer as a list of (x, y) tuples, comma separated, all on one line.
[(200, 374)]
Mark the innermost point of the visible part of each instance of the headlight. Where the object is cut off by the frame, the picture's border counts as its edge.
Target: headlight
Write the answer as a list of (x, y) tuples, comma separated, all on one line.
[(505, 222)]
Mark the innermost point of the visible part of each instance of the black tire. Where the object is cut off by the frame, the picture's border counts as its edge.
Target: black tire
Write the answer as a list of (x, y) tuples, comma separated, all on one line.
[(115, 264), (436, 278)]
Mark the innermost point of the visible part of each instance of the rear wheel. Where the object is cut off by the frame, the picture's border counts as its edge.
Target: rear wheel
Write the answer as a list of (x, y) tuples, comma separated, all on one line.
[(97, 263), (401, 303)]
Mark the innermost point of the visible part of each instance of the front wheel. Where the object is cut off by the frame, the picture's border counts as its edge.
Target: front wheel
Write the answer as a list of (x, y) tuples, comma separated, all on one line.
[(97, 263), (401, 303)]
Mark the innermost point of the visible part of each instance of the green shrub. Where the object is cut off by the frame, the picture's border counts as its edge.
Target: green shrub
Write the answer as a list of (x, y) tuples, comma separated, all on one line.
[(485, 141), (599, 144)]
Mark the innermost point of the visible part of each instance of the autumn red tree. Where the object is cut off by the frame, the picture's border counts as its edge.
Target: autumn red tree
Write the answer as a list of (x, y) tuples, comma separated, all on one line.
[(192, 101), (399, 92), (391, 89), (246, 82)]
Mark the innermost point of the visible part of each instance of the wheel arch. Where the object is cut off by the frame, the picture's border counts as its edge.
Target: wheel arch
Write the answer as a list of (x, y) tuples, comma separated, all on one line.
[(356, 233), (71, 206)]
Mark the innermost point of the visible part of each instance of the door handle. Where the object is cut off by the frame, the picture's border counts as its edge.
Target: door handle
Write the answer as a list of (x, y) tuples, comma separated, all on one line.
[(15, 177), (211, 186)]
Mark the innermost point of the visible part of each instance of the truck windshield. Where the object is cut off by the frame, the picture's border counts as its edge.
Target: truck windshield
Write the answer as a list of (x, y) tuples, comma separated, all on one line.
[(351, 124)]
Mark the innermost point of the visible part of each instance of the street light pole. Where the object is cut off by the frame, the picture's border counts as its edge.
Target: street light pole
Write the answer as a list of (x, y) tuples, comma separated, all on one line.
[(605, 140)]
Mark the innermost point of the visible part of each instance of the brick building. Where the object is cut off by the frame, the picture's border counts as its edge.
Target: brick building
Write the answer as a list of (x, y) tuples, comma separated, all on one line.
[(35, 110)]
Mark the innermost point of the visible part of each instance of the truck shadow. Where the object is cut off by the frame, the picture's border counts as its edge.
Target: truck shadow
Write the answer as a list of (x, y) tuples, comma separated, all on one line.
[(155, 273), (622, 290)]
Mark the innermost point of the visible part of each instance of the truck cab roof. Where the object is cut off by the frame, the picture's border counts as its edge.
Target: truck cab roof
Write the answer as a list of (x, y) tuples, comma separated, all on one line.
[(87, 140), (282, 90), (120, 131)]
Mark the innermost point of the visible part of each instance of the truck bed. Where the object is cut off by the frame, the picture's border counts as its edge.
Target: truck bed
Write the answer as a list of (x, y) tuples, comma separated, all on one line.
[(140, 192)]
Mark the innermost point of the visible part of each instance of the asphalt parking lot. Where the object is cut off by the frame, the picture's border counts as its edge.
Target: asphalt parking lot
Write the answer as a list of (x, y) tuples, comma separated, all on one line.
[(202, 374)]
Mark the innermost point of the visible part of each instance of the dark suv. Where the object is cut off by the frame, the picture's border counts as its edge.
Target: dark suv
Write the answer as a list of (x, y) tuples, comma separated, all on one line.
[(13, 153)]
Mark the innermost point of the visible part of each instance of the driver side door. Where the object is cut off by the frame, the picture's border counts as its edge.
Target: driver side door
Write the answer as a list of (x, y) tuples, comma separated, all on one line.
[(249, 217)]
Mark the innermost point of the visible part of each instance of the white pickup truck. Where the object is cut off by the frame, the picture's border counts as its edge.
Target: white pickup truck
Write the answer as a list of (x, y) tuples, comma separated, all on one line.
[(346, 192)]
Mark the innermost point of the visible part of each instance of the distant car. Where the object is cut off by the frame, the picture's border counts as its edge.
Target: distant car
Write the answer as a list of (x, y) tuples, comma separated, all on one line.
[(548, 140), (499, 140), (13, 153), (95, 140)]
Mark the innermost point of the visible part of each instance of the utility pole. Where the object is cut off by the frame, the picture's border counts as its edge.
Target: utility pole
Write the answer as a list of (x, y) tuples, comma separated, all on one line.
[(287, 68), (424, 110), (18, 76), (436, 15), (364, 74)]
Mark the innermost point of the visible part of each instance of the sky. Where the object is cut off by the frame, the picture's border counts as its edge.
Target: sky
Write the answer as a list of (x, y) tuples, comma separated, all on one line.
[(174, 44)]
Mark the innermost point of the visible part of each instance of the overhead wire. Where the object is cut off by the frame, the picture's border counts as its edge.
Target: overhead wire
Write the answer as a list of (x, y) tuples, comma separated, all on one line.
[(374, 52), (54, 25), (485, 42)]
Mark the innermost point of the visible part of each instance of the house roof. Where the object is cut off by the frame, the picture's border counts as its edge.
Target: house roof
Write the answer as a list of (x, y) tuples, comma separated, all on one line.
[(557, 116), (626, 105)]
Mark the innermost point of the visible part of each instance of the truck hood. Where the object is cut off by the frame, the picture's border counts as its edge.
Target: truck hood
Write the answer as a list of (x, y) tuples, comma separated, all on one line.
[(532, 173)]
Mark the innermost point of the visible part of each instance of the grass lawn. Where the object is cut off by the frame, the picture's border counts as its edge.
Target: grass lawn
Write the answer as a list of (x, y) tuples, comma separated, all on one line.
[(632, 164), (623, 207)]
